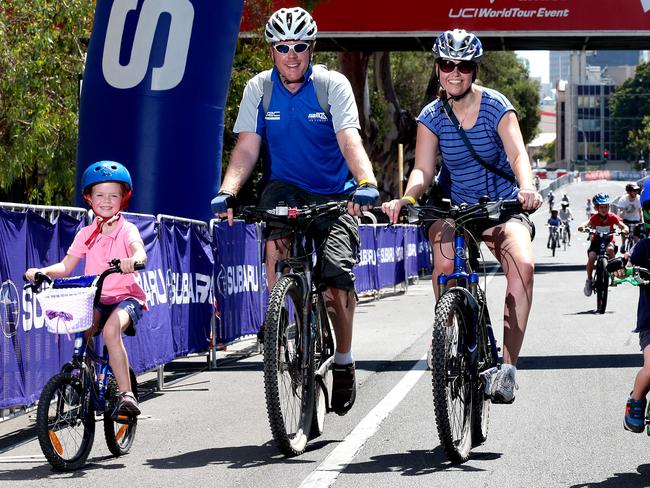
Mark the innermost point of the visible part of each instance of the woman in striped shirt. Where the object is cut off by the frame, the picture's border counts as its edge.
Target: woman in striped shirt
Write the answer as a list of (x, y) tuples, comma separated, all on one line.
[(492, 162)]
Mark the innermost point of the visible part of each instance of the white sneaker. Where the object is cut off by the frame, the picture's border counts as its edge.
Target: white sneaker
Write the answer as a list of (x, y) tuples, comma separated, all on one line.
[(588, 288), (503, 388)]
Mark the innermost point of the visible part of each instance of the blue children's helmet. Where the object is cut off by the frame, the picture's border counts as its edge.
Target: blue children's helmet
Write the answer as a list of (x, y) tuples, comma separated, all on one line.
[(601, 199), (645, 195), (105, 171)]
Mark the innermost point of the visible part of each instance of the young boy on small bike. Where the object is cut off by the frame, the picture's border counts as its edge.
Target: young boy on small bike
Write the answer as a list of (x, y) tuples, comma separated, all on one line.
[(552, 222), (601, 221), (107, 188)]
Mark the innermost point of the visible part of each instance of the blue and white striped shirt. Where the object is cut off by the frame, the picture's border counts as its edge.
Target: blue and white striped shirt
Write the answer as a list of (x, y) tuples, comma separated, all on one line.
[(461, 177)]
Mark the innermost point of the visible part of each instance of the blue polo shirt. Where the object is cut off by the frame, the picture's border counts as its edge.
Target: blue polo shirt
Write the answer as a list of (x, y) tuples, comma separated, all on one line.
[(298, 137)]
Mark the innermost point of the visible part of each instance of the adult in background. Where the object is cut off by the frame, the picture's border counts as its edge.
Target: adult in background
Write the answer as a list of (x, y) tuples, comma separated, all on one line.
[(312, 157), (492, 162)]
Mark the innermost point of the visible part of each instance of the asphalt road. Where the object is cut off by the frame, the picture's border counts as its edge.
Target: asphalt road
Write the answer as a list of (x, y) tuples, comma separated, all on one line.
[(563, 430)]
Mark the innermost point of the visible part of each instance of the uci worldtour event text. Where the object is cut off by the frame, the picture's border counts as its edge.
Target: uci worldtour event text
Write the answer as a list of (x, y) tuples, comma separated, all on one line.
[(510, 12)]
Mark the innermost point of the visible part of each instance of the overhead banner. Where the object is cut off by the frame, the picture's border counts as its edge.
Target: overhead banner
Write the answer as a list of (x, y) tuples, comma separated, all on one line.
[(153, 98), (424, 16)]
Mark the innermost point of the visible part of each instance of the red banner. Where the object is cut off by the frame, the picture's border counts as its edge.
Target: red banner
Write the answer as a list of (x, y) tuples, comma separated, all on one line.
[(419, 17)]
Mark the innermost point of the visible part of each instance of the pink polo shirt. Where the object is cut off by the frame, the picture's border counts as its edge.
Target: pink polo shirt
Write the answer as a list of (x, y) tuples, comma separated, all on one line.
[(106, 247)]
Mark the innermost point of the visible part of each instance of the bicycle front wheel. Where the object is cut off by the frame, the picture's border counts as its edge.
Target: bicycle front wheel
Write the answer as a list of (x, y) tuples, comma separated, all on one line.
[(602, 285), (288, 383), (65, 422), (452, 386), (486, 360), (119, 436)]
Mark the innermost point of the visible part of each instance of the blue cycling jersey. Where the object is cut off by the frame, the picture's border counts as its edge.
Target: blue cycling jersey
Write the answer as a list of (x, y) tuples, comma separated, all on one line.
[(641, 257), (299, 138)]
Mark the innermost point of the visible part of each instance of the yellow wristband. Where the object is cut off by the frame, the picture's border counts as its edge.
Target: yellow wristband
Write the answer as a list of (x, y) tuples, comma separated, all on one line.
[(410, 199), (362, 182)]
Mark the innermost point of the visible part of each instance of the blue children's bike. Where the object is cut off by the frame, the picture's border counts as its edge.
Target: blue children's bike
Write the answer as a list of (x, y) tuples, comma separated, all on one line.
[(464, 352), (65, 419)]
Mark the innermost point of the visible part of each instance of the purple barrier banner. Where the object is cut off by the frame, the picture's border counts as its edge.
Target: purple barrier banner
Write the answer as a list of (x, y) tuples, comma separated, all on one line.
[(424, 251), (240, 282), (188, 263), (29, 354), (152, 345), (390, 255), (365, 271), (411, 250)]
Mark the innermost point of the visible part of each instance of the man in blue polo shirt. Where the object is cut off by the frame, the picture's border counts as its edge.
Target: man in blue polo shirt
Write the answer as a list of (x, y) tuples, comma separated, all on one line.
[(314, 155)]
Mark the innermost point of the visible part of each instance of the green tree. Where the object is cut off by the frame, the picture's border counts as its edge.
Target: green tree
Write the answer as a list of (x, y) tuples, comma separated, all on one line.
[(41, 58), (628, 105), (639, 139)]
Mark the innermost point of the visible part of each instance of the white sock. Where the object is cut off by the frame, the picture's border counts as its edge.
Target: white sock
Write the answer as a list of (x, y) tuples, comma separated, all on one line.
[(509, 367), (343, 357)]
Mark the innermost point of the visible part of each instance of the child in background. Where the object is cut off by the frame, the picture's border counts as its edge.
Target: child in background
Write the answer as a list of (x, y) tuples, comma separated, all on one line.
[(107, 188), (552, 222)]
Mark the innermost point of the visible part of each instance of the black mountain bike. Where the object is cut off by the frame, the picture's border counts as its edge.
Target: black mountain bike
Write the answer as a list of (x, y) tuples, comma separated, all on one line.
[(299, 342), (65, 418), (464, 349), (602, 280)]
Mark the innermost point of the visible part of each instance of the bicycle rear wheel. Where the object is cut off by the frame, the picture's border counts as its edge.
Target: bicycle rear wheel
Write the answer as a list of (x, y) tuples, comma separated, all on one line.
[(602, 285), (119, 436), (452, 388), (65, 421), (289, 387)]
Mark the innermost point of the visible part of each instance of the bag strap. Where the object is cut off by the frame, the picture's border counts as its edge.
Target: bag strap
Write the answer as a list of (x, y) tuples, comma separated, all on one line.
[(461, 132), (321, 82)]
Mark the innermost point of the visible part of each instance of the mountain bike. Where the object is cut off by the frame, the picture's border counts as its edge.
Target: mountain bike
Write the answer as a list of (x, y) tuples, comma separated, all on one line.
[(554, 238), (602, 279), (299, 341), (65, 418), (464, 349)]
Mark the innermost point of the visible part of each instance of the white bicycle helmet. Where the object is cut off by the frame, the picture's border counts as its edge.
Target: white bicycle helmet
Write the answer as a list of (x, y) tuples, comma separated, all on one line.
[(290, 24), (458, 45)]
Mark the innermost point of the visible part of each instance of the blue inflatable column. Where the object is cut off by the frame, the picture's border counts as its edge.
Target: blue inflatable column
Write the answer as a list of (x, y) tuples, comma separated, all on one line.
[(153, 98)]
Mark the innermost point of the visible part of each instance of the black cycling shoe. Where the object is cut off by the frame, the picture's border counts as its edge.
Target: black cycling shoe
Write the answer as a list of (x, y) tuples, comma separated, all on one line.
[(344, 388)]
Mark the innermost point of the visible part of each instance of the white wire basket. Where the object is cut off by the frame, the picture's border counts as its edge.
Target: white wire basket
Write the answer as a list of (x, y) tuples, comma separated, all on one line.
[(67, 310)]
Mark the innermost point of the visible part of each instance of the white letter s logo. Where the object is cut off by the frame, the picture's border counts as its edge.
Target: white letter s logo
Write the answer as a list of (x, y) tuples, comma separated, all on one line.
[(171, 72)]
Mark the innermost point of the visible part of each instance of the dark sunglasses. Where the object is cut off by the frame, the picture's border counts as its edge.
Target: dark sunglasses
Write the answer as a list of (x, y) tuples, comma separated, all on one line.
[(465, 67), (301, 47)]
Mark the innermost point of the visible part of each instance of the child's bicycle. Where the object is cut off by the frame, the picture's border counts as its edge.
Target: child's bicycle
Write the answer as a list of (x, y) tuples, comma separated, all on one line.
[(602, 279), (554, 238), (65, 419), (299, 340), (464, 350)]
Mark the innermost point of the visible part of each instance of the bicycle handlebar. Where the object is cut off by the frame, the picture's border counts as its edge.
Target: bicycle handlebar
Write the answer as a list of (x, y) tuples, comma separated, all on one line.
[(484, 209), (287, 214), (40, 278)]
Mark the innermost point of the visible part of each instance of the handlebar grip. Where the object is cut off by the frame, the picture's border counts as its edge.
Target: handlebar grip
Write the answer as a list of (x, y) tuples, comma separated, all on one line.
[(139, 266)]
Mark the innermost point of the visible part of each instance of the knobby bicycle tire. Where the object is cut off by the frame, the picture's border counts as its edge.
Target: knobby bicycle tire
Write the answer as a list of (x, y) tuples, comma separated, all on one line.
[(289, 388), (602, 285), (65, 421), (119, 436), (451, 384), (481, 402)]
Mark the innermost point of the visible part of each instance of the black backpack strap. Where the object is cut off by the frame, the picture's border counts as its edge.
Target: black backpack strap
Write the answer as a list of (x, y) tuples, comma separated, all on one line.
[(461, 132)]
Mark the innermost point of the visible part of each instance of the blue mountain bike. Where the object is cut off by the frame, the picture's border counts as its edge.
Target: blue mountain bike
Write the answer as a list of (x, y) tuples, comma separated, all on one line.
[(464, 350), (65, 418)]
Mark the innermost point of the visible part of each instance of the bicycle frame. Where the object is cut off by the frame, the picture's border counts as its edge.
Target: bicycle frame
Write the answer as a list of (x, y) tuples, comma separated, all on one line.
[(469, 284), (78, 363)]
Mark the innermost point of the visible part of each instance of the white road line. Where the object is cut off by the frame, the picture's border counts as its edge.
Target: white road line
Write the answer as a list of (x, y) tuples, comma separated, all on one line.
[(327, 472), (26, 457)]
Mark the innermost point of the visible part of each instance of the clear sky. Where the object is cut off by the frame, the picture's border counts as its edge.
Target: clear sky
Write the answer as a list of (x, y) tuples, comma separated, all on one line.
[(538, 62)]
